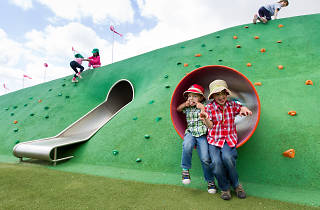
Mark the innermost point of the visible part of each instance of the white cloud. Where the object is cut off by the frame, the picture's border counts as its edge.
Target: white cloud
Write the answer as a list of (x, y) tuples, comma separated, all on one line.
[(24, 4), (100, 11)]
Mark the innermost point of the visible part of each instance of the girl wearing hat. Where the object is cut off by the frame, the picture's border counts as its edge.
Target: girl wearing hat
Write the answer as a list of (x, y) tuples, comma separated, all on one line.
[(195, 135), (94, 59), (75, 64), (219, 117)]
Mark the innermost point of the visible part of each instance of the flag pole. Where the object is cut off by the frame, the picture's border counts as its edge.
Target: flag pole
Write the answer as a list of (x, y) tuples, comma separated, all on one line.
[(22, 81), (112, 46), (44, 79)]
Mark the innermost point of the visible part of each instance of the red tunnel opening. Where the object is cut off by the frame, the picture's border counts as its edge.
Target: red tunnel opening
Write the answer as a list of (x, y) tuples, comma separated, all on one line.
[(243, 91)]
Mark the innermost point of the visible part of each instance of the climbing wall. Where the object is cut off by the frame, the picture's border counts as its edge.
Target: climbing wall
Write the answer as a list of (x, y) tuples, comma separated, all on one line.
[(280, 58)]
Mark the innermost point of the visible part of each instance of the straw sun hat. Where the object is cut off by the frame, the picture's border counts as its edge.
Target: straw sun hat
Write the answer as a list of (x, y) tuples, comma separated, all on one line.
[(217, 86)]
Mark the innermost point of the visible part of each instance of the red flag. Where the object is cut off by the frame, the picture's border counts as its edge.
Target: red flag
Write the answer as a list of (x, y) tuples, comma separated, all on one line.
[(45, 65), (73, 49), (114, 31), (5, 87), (27, 76)]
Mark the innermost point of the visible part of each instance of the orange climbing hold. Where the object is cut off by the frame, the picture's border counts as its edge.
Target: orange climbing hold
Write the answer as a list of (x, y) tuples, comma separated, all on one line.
[(235, 37), (292, 113), (280, 67), (280, 25), (15, 122), (257, 83), (185, 65), (256, 37), (249, 64), (39, 101), (290, 153), (238, 46), (246, 27), (197, 55), (279, 41), (309, 82), (263, 50)]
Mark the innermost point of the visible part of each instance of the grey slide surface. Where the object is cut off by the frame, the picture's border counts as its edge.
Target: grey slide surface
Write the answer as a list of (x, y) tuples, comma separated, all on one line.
[(119, 95)]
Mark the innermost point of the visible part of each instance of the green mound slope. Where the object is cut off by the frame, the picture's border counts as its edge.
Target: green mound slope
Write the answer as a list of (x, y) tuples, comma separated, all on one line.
[(262, 168)]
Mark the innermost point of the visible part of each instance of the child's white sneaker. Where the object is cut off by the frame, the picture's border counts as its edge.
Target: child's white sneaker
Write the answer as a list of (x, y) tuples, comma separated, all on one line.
[(78, 74), (212, 189), (186, 177), (74, 79)]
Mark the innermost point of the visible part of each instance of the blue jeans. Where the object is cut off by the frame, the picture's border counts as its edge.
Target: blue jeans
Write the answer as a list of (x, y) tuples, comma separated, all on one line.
[(224, 165), (189, 142), (263, 12)]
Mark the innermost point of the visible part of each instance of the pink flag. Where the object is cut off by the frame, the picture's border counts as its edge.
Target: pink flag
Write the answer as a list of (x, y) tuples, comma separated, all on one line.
[(114, 31), (27, 76), (5, 87), (45, 65), (73, 49)]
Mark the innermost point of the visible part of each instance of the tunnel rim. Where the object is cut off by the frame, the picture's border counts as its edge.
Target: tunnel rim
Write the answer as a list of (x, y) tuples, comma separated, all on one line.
[(227, 68)]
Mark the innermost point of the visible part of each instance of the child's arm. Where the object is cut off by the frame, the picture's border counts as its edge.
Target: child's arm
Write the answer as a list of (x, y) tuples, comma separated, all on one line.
[(205, 119), (244, 111), (182, 106), (276, 13)]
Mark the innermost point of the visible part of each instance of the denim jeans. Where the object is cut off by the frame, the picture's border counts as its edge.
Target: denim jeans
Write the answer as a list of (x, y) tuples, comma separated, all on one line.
[(224, 165), (189, 142), (263, 12)]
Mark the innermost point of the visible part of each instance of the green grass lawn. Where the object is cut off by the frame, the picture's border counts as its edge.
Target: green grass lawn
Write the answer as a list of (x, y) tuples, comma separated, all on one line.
[(29, 186)]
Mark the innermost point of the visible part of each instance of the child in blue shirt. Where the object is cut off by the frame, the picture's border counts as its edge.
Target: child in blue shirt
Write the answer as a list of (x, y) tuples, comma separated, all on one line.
[(269, 10)]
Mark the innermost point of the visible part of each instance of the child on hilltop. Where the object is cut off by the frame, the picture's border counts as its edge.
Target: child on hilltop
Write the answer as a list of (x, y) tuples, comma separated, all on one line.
[(94, 59), (269, 10), (219, 117), (195, 135), (75, 64)]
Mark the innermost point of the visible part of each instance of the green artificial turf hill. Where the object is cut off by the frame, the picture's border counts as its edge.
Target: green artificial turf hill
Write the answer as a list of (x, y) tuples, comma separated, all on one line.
[(262, 168)]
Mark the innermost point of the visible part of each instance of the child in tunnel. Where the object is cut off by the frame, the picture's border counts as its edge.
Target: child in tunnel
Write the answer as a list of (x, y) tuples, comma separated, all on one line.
[(195, 135)]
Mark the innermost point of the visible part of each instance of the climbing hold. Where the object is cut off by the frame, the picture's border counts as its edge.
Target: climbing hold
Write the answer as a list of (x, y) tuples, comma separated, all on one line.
[(138, 160), (25, 105), (246, 27), (6, 109), (166, 76), (290, 153), (11, 113), (158, 119), (238, 46), (235, 37), (309, 82), (167, 86), (263, 50), (182, 46), (279, 41), (147, 136), (31, 114), (220, 60), (63, 85), (151, 102), (135, 118), (15, 107), (217, 36), (203, 45), (249, 64), (292, 113), (39, 101), (257, 83), (50, 90), (31, 98), (46, 107), (115, 152), (185, 65), (15, 122), (16, 130), (280, 25), (179, 63), (256, 37), (59, 94), (210, 50), (17, 142), (280, 67), (67, 96), (197, 55), (47, 116), (197, 66)]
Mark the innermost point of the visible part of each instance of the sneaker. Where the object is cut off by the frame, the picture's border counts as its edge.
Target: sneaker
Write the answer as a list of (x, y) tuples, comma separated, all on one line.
[(225, 195), (78, 75), (255, 18), (186, 177), (74, 79), (264, 20), (240, 192), (212, 189)]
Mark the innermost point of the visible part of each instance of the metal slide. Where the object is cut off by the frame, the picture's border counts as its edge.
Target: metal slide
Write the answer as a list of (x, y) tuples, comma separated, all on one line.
[(119, 95)]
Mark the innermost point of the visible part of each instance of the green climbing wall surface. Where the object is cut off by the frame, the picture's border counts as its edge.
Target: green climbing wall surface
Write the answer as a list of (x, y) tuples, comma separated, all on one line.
[(263, 170)]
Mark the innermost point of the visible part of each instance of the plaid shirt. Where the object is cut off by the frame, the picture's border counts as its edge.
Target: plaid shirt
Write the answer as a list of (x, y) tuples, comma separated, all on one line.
[(195, 126), (224, 128)]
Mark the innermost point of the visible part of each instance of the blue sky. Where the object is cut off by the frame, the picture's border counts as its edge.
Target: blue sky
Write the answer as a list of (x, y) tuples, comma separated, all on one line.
[(33, 32)]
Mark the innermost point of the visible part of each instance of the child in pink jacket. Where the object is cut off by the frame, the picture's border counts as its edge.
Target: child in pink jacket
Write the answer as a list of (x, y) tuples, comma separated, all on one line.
[(95, 59)]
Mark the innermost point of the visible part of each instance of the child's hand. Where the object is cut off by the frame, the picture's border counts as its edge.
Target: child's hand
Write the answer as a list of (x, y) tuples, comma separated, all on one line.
[(203, 116), (245, 111), (187, 103), (200, 106)]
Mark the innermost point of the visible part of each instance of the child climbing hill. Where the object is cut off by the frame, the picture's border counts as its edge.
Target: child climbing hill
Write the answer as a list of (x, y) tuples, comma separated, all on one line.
[(75, 64), (266, 12)]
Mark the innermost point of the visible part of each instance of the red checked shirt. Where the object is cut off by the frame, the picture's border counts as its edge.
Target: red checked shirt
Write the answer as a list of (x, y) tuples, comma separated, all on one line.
[(224, 128)]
